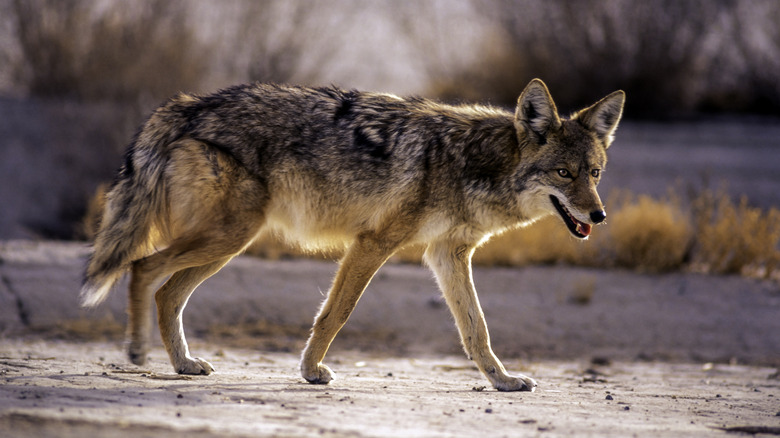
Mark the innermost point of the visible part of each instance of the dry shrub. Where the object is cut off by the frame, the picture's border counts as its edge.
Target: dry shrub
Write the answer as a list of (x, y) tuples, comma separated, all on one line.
[(650, 235), (645, 234), (658, 52), (735, 238), (129, 52), (642, 233), (545, 242)]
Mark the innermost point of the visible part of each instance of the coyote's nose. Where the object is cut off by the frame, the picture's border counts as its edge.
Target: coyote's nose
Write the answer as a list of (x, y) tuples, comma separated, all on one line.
[(598, 216)]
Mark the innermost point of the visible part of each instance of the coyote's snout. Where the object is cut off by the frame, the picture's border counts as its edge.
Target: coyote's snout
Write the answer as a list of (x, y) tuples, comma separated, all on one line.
[(328, 167)]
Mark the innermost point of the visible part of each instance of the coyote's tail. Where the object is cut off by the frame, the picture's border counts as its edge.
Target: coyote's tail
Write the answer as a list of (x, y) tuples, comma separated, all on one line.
[(134, 206)]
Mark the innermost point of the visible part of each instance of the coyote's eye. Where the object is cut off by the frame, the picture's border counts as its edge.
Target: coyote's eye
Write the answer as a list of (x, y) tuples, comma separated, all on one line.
[(595, 173), (564, 173)]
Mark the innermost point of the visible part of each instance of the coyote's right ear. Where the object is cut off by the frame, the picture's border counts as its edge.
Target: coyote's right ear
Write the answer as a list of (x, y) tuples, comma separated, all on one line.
[(603, 116), (536, 113)]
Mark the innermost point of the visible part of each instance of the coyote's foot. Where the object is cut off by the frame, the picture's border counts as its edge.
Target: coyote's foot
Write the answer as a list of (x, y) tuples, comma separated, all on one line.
[(320, 374), (514, 383), (136, 352), (194, 365)]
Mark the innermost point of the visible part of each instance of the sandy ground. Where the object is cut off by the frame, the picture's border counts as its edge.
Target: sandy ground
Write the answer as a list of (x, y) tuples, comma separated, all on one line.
[(67, 389), (615, 354), (533, 312)]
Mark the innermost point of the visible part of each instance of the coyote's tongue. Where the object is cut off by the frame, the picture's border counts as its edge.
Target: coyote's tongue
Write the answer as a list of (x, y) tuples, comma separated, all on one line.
[(582, 228)]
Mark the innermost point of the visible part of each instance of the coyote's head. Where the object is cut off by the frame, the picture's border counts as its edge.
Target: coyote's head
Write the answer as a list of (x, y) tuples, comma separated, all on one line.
[(562, 159)]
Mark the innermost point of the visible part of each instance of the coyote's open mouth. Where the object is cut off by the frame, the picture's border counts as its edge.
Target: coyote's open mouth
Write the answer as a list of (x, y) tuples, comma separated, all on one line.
[(579, 229)]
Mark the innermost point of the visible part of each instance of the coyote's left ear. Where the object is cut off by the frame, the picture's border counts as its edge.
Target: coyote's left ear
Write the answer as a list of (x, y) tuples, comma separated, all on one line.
[(602, 117)]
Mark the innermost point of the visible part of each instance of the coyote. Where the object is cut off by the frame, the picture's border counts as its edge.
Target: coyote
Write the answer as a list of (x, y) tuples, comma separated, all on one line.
[(326, 167)]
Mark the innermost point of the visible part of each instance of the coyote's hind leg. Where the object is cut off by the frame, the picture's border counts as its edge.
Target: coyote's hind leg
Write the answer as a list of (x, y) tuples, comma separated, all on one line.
[(171, 300)]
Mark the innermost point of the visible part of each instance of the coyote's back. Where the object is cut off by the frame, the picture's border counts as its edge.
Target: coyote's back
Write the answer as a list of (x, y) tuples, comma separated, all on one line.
[(326, 167)]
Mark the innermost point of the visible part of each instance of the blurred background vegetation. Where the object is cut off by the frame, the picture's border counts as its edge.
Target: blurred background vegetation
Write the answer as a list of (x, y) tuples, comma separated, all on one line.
[(673, 57), (78, 76)]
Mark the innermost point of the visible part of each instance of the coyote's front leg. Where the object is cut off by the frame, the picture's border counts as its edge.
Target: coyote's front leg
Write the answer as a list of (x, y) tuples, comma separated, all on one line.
[(357, 268), (452, 265)]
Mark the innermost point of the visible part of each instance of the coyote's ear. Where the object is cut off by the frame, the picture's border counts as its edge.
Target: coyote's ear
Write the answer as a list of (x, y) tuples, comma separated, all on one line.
[(536, 112), (603, 116)]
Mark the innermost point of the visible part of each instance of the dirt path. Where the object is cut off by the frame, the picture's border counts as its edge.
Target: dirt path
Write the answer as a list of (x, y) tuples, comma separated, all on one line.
[(540, 312), (88, 389), (652, 335)]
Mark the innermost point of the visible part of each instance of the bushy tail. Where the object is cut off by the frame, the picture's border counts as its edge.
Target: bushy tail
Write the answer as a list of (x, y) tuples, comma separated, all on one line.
[(134, 205)]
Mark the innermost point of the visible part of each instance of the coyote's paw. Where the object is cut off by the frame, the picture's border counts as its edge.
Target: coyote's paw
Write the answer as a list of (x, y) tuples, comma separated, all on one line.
[(195, 365), (515, 383), (137, 353), (319, 375)]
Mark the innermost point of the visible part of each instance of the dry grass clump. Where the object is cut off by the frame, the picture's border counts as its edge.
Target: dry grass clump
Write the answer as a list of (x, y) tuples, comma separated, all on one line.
[(735, 238), (711, 233), (708, 234), (642, 233), (650, 235), (545, 242)]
